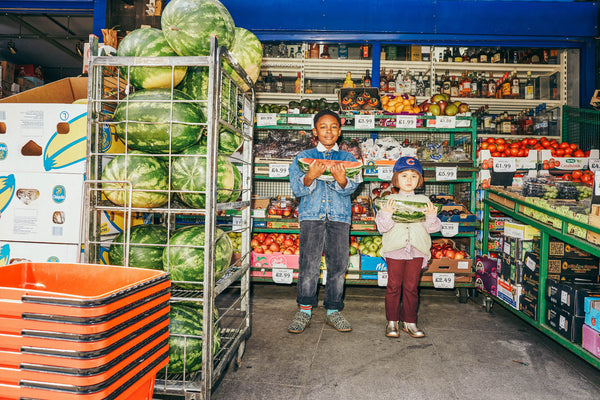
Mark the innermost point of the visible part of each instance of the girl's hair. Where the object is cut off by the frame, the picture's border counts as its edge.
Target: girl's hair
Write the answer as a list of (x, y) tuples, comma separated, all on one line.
[(327, 112), (394, 180)]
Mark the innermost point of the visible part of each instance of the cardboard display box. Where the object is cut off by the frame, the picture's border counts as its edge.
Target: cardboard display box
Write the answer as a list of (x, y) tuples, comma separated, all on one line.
[(465, 215), (565, 324), (509, 293), (558, 248), (275, 260), (570, 296), (12, 252), (592, 312), (570, 268), (528, 306), (40, 207), (591, 340), (41, 131), (371, 264)]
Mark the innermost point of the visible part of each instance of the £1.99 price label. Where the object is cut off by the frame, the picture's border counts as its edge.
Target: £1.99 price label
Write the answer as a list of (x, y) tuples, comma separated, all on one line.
[(502, 164)]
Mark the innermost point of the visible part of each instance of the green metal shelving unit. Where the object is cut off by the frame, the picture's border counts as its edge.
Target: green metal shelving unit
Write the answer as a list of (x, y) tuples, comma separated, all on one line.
[(546, 232)]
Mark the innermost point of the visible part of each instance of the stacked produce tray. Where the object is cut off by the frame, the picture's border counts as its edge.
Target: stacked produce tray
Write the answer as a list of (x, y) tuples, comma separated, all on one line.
[(82, 331), (187, 232)]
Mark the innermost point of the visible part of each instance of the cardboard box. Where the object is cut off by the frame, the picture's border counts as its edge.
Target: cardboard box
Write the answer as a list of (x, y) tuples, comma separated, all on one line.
[(570, 268), (275, 260), (570, 296), (567, 325), (591, 340), (8, 71), (592, 312), (12, 252), (594, 220), (464, 216), (558, 248), (371, 264), (113, 222), (415, 53), (528, 306), (24, 84), (41, 207), (509, 293), (520, 231)]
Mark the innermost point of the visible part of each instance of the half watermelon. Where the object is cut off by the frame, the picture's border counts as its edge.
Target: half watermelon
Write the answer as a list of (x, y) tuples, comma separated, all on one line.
[(353, 168), (407, 209)]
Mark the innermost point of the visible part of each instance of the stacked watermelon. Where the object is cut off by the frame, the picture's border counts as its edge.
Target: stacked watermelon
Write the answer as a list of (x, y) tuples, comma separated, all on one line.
[(147, 243), (185, 339)]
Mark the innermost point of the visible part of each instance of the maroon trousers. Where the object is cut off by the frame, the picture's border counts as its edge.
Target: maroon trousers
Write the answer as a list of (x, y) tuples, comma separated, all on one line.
[(401, 294)]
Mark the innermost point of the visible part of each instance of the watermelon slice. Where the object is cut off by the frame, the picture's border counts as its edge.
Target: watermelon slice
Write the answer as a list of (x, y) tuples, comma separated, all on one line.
[(353, 168)]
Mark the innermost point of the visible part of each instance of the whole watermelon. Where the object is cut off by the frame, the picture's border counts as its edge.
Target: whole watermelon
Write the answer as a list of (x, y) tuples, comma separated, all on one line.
[(148, 177), (141, 252), (229, 141), (188, 25), (149, 42), (185, 337), (235, 194), (150, 121), (184, 257), (188, 174), (247, 50), (195, 84)]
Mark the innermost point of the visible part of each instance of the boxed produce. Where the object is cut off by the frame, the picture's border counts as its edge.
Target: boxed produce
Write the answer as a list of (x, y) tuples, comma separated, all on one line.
[(591, 340), (571, 268), (368, 263), (446, 257), (570, 296), (592, 312), (357, 99), (13, 252), (362, 210), (558, 248), (486, 276), (282, 207), (528, 306), (594, 220), (455, 213), (567, 325), (275, 260), (509, 293), (41, 207), (520, 231)]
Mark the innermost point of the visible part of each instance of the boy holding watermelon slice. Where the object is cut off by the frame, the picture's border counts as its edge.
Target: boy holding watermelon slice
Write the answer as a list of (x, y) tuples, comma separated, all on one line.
[(405, 246), (324, 213)]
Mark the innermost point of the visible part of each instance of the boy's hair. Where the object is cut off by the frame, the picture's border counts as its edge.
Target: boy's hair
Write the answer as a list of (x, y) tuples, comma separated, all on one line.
[(394, 180), (327, 112)]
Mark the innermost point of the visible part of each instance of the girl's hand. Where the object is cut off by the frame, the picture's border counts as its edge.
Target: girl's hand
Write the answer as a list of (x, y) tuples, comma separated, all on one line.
[(430, 209), (389, 206)]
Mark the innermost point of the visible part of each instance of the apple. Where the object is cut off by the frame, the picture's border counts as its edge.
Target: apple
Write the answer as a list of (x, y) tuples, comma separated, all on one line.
[(450, 253), (254, 243), (274, 247), (259, 250), (438, 254), (463, 108)]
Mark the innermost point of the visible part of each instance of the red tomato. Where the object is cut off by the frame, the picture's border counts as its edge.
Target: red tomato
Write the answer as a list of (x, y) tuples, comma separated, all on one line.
[(560, 152), (573, 146), (578, 153), (500, 141), (576, 174), (491, 140), (568, 151), (563, 145), (500, 147), (496, 154), (492, 148), (484, 145), (567, 177), (531, 141), (514, 151)]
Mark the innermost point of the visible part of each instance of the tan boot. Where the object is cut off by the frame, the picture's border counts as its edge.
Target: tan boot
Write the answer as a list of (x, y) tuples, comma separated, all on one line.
[(391, 330), (412, 329)]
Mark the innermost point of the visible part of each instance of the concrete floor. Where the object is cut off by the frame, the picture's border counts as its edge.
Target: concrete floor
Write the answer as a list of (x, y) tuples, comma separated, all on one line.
[(468, 354)]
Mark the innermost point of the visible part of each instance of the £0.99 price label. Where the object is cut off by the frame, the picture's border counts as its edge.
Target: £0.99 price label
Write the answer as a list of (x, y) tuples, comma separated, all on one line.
[(266, 119), (443, 280), (364, 121), (445, 173), (283, 275), (385, 173), (445, 121), (406, 121), (278, 170), (502, 164)]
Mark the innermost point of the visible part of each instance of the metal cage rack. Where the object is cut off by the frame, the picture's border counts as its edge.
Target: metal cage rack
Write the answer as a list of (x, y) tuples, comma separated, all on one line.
[(224, 295)]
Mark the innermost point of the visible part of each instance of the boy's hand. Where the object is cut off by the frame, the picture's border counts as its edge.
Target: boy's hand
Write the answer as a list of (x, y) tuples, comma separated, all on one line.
[(338, 171), (389, 206), (430, 209), (316, 169)]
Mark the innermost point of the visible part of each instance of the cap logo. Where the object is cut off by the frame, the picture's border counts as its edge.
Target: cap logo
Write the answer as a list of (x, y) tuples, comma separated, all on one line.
[(410, 161)]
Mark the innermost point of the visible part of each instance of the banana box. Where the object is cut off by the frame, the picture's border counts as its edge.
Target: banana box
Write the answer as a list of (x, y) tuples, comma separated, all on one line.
[(42, 131), (112, 222), (15, 252), (36, 207)]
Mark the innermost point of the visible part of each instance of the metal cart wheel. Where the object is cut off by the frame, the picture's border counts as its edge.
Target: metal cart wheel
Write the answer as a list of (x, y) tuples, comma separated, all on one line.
[(240, 354), (488, 303), (463, 295)]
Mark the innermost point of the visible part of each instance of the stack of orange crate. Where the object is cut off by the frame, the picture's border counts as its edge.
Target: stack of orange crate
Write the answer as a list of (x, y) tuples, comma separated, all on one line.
[(82, 331)]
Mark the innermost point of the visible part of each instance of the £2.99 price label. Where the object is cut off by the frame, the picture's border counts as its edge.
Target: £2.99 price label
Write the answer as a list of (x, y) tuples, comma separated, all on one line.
[(283, 275)]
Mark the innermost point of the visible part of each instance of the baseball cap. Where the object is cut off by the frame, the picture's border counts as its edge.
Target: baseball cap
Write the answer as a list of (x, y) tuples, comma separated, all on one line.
[(405, 163)]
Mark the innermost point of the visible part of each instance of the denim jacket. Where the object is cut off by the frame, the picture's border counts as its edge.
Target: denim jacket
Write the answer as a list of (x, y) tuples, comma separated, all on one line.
[(323, 198)]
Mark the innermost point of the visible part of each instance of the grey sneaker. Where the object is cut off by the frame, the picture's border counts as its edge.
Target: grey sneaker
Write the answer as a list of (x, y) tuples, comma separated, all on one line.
[(337, 320), (300, 322)]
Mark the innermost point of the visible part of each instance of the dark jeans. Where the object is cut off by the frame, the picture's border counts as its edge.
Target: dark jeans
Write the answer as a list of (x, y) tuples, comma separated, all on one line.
[(317, 237), (403, 282)]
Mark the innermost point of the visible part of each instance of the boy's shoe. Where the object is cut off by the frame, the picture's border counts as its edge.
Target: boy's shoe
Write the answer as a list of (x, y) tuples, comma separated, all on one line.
[(392, 330), (300, 322), (337, 320), (412, 329)]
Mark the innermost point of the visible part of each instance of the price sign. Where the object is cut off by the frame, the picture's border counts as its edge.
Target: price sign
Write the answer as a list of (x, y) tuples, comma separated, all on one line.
[(443, 280), (385, 173), (324, 277), (530, 264), (278, 170), (449, 229), (382, 278), (283, 275), (504, 164), (236, 223), (596, 185), (247, 109), (364, 122), (445, 173), (406, 121), (445, 121), (594, 164), (266, 119)]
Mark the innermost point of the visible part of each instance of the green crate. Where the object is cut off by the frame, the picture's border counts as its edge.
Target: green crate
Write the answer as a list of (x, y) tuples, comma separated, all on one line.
[(581, 126)]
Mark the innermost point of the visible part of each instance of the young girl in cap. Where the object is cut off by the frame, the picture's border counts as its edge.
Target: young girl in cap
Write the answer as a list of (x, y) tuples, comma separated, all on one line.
[(406, 249)]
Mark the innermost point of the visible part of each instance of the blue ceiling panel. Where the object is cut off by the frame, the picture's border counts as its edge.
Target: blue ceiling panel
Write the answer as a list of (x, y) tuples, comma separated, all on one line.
[(64, 7)]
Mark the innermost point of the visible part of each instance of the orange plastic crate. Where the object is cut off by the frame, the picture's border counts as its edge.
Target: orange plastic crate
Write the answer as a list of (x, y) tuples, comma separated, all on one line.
[(42, 343)]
